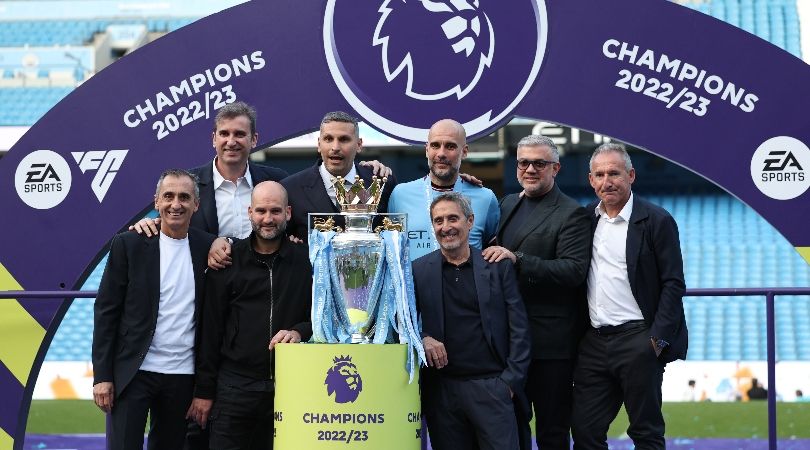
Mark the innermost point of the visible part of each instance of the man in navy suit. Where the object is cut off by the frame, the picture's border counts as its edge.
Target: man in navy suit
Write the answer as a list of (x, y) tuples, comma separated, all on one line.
[(226, 182), (635, 291), (311, 190), (145, 322), (476, 337)]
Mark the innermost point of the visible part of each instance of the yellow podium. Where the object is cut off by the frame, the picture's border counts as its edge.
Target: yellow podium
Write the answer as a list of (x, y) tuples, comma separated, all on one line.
[(357, 396)]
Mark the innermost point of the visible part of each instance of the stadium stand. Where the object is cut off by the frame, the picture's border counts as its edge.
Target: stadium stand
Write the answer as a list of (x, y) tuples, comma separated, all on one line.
[(776, 21), (24, 106), (42, 33)]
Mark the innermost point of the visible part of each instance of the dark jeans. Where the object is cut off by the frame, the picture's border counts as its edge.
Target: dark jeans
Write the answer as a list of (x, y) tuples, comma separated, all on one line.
[(242, 416), (613, 369), (470, 414), (166, 397), (549, 388)]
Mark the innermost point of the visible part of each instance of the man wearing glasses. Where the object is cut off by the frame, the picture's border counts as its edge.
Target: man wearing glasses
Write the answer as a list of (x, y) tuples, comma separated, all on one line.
[(547, 235)]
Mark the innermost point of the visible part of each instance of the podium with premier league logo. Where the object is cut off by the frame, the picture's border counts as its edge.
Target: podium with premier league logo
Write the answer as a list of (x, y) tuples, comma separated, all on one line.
[(356, 383)]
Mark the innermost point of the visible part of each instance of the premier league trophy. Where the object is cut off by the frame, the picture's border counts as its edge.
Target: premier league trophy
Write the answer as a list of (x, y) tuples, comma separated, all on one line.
[(362, 283)]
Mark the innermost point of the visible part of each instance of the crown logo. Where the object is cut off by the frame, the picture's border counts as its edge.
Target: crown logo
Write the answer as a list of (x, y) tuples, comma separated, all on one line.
[(358, 199)]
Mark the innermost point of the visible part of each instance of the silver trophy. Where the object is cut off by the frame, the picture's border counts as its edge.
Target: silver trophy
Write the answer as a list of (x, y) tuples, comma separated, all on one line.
[(357, 253)]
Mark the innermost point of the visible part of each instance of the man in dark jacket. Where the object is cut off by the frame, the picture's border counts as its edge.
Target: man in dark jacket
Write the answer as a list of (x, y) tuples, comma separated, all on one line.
[(262, 299), (476, 337), (145, 322), (547, 235)]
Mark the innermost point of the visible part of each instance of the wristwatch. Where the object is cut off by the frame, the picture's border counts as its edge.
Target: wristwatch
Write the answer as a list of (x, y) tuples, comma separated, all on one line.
[(660, 343), (518, 259)]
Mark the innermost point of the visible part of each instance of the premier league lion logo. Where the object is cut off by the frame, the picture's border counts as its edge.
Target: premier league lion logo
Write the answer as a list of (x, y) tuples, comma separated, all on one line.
[(462, 45), (343, 380)]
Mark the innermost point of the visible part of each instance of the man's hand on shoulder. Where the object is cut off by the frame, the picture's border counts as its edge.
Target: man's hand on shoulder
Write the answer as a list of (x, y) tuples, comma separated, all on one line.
[(435, 352), (103, 395), (497, 253), (219, 256), (147, 226), (199, 411), (471, 179), (377, 168)]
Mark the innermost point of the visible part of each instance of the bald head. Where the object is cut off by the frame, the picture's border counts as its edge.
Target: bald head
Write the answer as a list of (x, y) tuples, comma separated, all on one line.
[(448, 127), (268, 213), (446, 147), (267, 189)]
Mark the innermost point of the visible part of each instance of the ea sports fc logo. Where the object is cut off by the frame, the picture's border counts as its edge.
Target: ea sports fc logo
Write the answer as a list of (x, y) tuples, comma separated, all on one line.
[(403, 64), (780, 168), (42, 179), (343, 380)]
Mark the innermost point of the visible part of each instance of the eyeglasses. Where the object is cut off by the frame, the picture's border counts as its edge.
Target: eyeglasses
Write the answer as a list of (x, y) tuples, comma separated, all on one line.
[(538, 164)]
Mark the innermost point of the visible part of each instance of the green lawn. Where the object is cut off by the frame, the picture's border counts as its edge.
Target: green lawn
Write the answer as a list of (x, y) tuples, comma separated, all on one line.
[(728, 420), (690, 420)]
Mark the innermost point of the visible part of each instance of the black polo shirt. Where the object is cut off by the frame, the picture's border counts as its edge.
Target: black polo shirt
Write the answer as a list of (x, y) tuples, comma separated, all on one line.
[(468, 353)]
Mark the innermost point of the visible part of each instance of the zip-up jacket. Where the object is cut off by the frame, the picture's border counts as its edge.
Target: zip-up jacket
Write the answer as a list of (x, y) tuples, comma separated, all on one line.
[(237, 320)]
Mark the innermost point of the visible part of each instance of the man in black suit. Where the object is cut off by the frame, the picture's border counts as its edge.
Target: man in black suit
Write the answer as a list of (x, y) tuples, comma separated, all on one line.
[(311, 190), (145, 322), (635, 291), (547, 235), (475, 334)]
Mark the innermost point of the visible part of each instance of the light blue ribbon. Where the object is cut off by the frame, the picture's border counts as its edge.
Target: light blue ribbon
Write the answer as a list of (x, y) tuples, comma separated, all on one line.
[(391, 298)]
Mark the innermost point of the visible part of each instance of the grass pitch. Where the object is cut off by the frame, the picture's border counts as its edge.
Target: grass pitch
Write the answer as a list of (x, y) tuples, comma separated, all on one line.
[(687, 420)]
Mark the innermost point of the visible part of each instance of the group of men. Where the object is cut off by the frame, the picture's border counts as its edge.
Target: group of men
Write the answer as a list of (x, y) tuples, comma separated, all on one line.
[(534, 304)]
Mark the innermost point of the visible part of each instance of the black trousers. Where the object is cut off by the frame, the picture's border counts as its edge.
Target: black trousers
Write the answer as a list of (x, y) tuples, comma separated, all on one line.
[(241, 419), (613, 369), (166, 397), (470, 414), (549, 389)]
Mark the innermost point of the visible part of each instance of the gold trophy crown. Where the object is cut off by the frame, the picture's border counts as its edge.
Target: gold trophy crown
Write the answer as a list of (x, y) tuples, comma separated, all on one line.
[(358, 199)]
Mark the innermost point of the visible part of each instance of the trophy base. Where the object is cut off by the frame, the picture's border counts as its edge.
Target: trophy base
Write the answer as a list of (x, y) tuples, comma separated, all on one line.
[(359, 338)]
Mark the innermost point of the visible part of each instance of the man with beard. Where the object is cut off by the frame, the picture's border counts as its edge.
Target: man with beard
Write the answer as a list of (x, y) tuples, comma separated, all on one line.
[(476, 337), (312, 190), (547, 235), (445, 148), (263, 298)]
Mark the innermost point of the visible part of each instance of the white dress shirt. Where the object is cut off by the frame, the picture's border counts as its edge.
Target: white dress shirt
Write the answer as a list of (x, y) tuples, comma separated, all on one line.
[(327, 181), (172, 347), (232, 201), (610, 299)]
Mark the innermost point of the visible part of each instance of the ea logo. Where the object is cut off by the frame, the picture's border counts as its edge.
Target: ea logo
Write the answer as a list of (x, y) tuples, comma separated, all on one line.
[(403, 64), (42, 179), (780, 168)]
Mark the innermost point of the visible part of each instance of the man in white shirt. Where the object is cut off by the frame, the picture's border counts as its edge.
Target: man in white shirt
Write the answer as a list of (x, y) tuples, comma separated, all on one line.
[(145, 322), (635, 291)]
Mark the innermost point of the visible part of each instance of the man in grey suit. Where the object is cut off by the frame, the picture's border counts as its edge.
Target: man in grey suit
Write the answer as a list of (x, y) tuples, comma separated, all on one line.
[(145, 322), (547, 236)]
